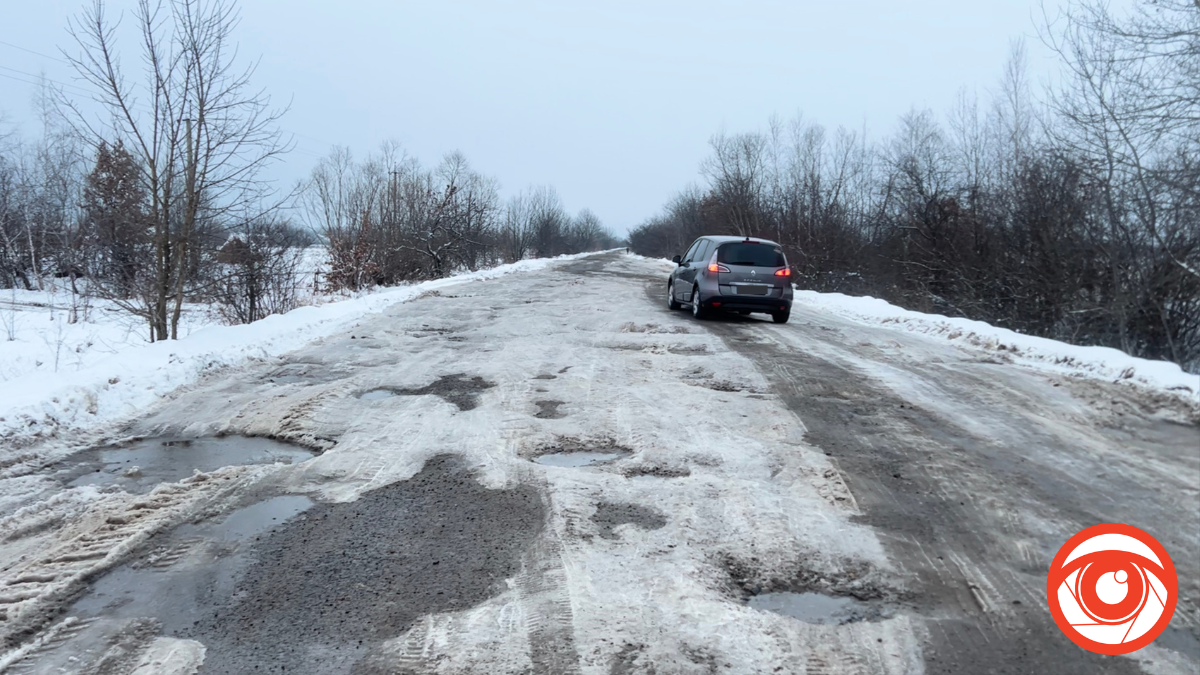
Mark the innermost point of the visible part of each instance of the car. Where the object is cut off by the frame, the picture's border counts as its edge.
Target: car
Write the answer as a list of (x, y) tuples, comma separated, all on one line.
[(738, 274)]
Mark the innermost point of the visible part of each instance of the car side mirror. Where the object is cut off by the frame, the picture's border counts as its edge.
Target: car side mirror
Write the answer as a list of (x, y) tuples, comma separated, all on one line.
[(676, 259)]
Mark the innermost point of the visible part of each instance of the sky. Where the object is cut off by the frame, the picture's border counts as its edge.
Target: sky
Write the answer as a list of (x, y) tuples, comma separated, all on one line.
[(612, 103)]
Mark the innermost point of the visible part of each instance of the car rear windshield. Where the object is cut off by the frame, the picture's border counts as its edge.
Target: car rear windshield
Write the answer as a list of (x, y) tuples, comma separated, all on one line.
[(750, 254)]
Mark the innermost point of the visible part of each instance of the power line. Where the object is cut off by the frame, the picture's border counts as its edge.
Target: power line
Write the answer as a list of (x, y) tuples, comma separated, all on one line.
[(43, 77), (80, 90), (45, 56)]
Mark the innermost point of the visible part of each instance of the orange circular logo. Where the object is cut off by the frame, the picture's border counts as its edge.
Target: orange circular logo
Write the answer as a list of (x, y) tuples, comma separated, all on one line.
[(1112, 589)]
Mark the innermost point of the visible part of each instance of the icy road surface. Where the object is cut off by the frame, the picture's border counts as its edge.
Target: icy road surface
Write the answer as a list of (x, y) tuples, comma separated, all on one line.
[(552, 473)]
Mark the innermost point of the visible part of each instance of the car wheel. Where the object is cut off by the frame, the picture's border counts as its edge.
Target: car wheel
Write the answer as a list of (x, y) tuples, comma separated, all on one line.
[(744, 312), (781, 317), (671, 302), (697, 310)]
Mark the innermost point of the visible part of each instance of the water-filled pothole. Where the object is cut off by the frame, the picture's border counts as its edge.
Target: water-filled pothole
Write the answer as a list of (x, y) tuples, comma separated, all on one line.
[(164, 591), (817, 607), (186, 568), (139, 466), (851, 592)]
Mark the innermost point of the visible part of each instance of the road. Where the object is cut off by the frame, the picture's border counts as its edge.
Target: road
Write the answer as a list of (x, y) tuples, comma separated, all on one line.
[(816, 497)]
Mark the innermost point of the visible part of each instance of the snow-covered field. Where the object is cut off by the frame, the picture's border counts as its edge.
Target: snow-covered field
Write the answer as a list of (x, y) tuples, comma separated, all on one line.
[(56, 375)]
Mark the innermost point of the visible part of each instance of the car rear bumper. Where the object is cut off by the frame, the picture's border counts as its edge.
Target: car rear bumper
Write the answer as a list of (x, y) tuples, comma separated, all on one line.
[(754, 303)]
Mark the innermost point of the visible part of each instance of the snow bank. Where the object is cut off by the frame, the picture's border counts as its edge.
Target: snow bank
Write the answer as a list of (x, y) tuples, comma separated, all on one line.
[(1100, 362), (40, 404)]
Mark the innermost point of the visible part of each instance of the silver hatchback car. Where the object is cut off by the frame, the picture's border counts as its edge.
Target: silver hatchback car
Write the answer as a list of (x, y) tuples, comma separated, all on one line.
[(739, 274)]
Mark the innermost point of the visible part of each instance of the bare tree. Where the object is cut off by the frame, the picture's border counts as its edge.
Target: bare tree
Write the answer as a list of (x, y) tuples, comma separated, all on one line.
[(198, 131)]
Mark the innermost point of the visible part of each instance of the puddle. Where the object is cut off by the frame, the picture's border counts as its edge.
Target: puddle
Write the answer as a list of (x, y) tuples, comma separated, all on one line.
[(140, 466), (579, 458), (816, 607), (194, 564), (164, 591), (376, 394)]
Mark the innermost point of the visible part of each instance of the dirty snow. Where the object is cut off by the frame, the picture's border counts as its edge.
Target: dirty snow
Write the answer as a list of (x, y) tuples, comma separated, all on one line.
[(1100, 362)]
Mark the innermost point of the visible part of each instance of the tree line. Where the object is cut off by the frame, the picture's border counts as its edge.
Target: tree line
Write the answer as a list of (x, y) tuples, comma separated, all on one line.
[(148, 188), (387, 219), (1073, 215)]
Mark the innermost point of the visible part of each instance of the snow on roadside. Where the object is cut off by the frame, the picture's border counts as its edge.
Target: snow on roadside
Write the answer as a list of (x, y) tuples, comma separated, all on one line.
[(41, 404), (1099, 362)]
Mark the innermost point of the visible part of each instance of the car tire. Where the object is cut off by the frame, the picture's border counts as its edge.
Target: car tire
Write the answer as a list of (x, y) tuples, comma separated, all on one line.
[(744, 312), (671, 302), (697, 311), (781, 317)]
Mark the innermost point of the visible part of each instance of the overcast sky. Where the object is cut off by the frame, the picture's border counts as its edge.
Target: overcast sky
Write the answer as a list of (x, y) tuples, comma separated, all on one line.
[(611, 102)]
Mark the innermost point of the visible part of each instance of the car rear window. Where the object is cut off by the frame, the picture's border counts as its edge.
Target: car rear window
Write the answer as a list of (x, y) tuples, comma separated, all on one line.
[(750, 254)]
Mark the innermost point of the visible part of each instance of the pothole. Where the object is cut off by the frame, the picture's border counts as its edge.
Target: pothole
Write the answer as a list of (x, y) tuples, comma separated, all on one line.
[(345, 577), (817, 608), (545, 376), (192, 561), (139, 466), (609, 515), (431, 331), (688, 350), (851, 593), (720, 385), (578, 458), (655, 471), (458, 389), (570, 452), (653, 328), (548, 410)]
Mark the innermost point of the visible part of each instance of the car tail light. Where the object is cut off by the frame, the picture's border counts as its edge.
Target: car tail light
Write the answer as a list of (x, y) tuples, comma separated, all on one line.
[(714, 266), (785, 272), (716, 304)]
